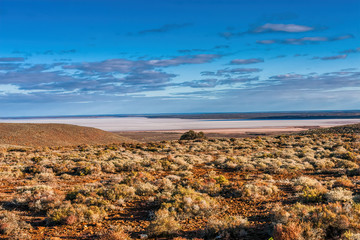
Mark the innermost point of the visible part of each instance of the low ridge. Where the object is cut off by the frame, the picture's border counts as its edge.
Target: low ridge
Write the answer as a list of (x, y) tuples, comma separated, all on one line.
[(30, 134)]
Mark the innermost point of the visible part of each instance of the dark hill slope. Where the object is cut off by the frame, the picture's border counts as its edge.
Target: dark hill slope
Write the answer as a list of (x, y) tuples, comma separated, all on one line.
[(29, 134)]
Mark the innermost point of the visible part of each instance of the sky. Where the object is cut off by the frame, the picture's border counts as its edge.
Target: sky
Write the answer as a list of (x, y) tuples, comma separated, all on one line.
[(88, 57)]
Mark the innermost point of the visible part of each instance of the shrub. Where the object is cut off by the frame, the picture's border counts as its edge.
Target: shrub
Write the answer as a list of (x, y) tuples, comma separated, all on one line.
[(258, 190), (165, 184), (164, 224), (186, 202), (221, 180), (192, 135), (39, 198), (303, 182), (291, 231), (45, 177), (83, 171), (71, 213), (117, 192), (146, 189), (309, 189), (311, 195), (211, 188), (11, 225), (231, 227), (346, 164), (339, 194), (325, 221)]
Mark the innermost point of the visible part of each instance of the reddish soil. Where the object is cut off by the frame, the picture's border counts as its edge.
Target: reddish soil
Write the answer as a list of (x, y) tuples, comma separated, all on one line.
[(29, 134)]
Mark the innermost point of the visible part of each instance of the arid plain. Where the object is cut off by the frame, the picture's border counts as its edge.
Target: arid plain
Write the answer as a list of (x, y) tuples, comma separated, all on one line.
[(231, 184)]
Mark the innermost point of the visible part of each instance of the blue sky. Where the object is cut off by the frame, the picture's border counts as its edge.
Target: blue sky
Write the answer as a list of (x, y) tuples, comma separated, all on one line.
[(62, 57)]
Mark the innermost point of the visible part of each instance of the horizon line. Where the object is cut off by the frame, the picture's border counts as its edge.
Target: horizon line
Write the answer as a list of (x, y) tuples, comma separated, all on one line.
[(174, 114)]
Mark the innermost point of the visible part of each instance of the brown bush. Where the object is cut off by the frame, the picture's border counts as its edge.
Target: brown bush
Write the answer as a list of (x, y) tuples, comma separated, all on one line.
[(291, 231)]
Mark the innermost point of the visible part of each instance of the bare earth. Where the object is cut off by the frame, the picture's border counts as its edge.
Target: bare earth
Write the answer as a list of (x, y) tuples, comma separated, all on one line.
[(30, 134)]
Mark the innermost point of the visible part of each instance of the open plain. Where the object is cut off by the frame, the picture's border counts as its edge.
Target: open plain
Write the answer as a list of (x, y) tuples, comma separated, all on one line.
[(302, 185)]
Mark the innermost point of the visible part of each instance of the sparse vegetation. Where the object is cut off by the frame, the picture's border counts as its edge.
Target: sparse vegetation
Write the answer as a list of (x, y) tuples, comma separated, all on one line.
[(298, 186)]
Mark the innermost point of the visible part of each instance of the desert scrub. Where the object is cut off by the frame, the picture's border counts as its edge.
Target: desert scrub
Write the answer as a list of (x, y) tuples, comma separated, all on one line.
[(344, 154), (91, 203), (38, 198), (74, 213), (10, 172), (233, 163), (186, 202), (89, 198), (339, 194), (34, 169), (117, 191), (45, 177), (290, 231), (128, 164), (208, 186), (221, 180), (13, 227), (311, 195), (259, 190), (164, 224), (230, 227), (173, 164), (325, 221), (165, 184), (346, 164), (146, 189), (309, 189), (108, 167), (211, 184), (321, 164), (87, 170)]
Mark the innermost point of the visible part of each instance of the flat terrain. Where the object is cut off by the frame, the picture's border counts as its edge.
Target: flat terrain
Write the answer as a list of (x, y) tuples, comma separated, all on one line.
[(264, 115), (150, 136), (301, 185), (119, 124), (26, 134)]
